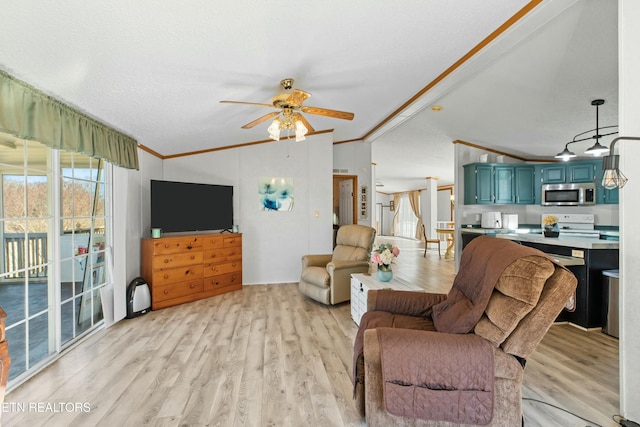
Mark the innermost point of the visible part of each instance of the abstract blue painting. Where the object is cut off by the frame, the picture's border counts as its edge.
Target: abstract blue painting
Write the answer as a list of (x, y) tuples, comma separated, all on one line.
[(275, 193)]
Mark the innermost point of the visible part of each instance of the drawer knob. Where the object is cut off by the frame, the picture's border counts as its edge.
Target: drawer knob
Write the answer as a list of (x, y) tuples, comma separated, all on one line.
[(166, 291), (166, 276), (166, 260), (189, 247), (193, 285)]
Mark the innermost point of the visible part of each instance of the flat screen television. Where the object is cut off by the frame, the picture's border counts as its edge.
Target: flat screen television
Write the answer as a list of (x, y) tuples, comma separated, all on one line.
[(186, 206)]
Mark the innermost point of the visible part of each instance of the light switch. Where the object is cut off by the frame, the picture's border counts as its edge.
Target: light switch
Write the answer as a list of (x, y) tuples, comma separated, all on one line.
[(316, 213)]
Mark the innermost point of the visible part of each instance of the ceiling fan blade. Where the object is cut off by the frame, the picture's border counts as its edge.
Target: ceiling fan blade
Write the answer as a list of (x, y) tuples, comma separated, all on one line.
[(329, 113), (247, 103), (298, 116), (260, 120), (297, 97)]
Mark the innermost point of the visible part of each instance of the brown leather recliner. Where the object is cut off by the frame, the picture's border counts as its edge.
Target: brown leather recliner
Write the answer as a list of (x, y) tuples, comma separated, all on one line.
[(326, 278), (440, 360)]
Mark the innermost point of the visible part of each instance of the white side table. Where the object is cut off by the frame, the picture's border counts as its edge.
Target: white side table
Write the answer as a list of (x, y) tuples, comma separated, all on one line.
[(361, 284)]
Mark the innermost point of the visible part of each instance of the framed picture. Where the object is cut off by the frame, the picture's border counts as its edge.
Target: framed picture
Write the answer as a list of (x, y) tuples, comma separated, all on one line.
[(275, 194), (364, 202)]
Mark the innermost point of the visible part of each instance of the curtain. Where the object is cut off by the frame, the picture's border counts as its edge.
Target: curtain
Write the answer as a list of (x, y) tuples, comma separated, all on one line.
[(414, 199), (406, 220), (396, 205), (30, 114)]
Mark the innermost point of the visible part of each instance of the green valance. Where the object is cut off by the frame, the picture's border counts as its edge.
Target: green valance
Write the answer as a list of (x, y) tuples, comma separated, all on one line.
[(28, 113)]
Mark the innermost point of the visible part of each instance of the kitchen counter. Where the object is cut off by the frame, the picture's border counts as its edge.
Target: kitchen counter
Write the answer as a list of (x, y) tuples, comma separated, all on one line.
[(585, 257), (530, 235)]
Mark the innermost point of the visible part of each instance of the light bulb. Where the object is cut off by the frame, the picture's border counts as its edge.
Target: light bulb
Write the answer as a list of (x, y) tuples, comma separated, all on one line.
[(301, 130), (274, 129), (609, 179)]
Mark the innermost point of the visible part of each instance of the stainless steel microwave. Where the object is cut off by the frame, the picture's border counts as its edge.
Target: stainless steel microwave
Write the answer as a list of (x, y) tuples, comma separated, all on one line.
[(576, 194)]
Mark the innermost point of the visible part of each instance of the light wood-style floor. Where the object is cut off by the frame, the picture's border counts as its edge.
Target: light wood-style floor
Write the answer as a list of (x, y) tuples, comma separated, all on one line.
[(267, 356)]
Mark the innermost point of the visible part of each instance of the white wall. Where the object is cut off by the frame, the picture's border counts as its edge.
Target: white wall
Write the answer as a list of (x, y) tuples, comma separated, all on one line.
[(444, 205), (131, 222), (355, 158), (273, 242), (629, 111), (382, 209)]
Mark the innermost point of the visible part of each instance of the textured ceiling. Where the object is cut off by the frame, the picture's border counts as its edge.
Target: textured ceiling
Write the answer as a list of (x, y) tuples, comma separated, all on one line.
[(157, 72)]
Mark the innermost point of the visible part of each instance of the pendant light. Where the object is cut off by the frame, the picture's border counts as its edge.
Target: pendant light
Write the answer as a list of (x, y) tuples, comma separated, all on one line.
[(596, 149), (612, 176)]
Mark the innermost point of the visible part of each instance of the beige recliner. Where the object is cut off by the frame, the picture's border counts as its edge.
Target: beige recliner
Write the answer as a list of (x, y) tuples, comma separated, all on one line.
[(436, 360), (327, 278)]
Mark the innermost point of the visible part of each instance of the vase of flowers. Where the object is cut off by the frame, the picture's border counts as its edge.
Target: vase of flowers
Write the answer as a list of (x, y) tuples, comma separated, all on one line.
[(382, 257), (550, 223)]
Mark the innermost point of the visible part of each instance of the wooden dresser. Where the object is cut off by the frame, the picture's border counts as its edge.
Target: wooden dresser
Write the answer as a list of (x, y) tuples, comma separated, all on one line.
[(186, 268), (5, 361)]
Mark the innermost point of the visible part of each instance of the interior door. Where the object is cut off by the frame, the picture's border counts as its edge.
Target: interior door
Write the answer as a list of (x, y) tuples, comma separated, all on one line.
[(346, 202)]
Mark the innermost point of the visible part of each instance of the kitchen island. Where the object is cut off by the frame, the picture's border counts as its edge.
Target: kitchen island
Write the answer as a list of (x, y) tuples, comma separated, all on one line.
[(586, 257)]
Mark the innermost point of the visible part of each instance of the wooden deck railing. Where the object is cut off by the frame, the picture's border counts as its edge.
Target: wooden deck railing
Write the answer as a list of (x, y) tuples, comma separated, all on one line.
[(17, 255)]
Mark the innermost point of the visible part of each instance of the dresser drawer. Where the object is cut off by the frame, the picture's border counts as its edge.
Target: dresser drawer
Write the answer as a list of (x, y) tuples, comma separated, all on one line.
[(172, 245), (162, 262), (217, 282), (174, 275), (233, 241), (213, 241), (222, 255), (176, 290), (224, 268)]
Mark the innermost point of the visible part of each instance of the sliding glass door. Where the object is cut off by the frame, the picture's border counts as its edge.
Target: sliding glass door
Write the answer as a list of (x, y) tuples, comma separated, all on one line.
[(54, 241)]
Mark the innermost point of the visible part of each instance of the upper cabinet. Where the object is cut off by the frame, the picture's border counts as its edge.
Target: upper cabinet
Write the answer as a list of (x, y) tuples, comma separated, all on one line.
[(561, 173), (501, 184), (554, 174), (507, 184)]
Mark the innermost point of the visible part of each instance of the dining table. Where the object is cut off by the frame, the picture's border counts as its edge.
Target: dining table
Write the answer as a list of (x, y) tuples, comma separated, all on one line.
[(450, 233)]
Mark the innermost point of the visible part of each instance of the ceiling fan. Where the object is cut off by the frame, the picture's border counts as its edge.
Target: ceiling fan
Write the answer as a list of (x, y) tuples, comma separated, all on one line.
[(288, 117)]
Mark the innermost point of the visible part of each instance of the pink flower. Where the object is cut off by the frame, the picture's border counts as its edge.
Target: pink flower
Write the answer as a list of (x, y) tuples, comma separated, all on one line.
[(395, 251), (375, 258)]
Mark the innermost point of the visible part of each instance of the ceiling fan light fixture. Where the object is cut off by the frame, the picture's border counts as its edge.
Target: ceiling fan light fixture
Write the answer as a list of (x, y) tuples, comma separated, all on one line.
[(301, 130), (274, 129)]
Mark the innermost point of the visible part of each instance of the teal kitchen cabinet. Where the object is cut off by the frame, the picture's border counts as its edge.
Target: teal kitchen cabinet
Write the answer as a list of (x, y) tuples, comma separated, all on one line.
[(503, 185), (525, 185), (554, 173), (478, 184), (582, 171), (486, 183), (561, 173)]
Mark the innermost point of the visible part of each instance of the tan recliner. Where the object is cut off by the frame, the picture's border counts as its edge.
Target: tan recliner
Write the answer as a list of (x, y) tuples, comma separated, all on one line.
[(327, 278), (438, 360)]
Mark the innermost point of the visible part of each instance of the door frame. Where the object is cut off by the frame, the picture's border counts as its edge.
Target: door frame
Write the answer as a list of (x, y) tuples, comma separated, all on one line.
[(336, 193)]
